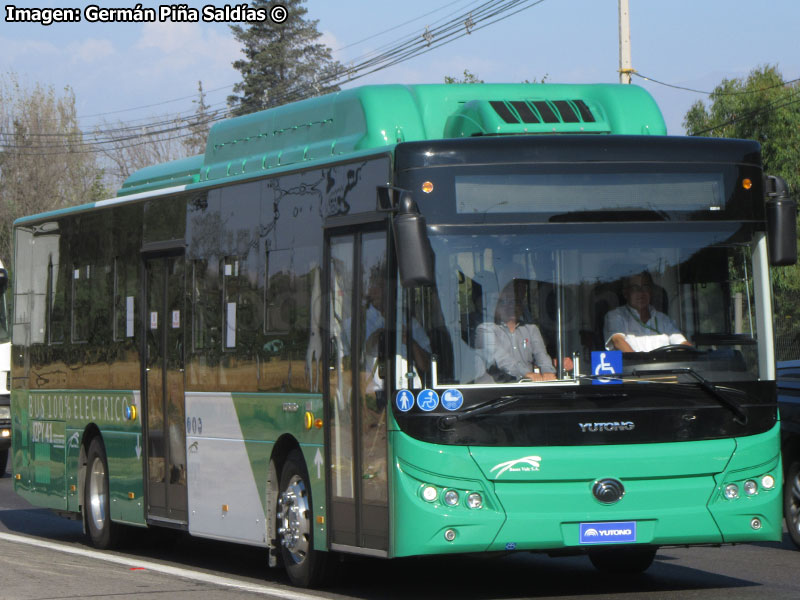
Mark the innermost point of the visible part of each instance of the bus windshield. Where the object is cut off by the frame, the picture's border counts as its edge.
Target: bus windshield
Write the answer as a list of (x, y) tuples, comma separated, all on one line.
[(520, 304)]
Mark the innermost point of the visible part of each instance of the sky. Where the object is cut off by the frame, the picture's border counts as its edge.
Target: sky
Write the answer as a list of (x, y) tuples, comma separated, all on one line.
[(135, 72)]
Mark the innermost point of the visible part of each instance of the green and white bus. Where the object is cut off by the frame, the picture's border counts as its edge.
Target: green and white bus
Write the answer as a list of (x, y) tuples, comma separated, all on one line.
[(282, 342)]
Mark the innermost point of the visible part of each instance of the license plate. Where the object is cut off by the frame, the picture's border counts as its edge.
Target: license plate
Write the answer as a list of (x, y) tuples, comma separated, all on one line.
[(608, 533)]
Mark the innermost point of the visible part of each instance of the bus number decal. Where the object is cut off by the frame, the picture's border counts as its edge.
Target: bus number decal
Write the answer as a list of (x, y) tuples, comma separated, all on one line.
[(194, 425)]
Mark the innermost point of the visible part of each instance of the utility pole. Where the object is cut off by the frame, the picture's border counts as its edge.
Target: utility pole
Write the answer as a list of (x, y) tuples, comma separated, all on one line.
[(625, 68)]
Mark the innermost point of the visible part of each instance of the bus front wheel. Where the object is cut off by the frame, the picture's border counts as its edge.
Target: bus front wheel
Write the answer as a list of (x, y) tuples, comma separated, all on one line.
[(791, 501), (96, 504), (623, 560), (303, 564)]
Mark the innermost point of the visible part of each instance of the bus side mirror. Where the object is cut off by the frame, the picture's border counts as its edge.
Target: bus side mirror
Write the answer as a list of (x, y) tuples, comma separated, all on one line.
[(3, 281), (413, 248), (781, 223)]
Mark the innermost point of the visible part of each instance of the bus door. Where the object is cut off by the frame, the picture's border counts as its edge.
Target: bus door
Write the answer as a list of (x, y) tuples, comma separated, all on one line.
[(163, 389), (357, 380)]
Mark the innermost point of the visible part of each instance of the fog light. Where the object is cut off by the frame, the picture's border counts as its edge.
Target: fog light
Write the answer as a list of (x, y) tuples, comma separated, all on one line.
[(768, 482), (755, 523), (750, 487), (474, 500), (451, 497), (450, 535), (429, 493), (731, 491)]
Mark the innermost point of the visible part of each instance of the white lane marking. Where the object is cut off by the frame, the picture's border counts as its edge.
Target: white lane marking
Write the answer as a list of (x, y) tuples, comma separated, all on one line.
[(277, 592)]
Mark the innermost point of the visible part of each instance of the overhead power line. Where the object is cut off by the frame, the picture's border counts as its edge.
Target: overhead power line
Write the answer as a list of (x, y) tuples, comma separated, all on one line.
[(716, 93), (453, 28), (752, 113)]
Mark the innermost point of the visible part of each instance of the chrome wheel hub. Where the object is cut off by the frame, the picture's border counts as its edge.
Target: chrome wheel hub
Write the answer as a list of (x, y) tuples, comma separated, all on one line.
[(294, 527), (97, 494)]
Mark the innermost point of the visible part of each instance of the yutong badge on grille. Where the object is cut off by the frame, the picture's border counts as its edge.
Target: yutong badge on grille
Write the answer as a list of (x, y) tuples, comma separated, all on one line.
[(608, 533)]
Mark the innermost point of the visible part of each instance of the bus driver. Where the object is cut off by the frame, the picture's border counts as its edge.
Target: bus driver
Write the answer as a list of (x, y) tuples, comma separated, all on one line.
[(637, 326)]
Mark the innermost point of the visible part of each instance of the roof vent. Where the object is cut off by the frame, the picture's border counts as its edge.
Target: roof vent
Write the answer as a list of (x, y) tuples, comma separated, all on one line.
[(493, 117)]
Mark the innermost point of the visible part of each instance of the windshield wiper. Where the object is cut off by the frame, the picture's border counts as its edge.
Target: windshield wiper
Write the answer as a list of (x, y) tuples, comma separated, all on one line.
[(449, 420), (713, 390)]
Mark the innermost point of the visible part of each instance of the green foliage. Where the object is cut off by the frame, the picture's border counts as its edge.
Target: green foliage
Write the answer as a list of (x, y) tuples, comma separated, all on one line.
[(760, 108), (763, 108), (283, 62), (468, 78)]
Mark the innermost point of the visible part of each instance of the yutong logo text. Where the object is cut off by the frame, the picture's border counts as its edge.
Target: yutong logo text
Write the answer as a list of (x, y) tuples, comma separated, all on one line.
[(606, 532), (610, 426)]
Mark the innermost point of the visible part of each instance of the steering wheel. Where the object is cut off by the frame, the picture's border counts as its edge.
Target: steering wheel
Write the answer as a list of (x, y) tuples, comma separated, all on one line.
[(679, 347)]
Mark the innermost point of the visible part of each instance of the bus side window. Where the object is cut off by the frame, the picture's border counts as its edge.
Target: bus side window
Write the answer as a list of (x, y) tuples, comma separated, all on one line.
[(125, 285), (206, 314), (81, 301)]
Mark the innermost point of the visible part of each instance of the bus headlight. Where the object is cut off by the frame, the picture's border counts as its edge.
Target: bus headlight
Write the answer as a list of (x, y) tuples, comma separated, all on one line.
[(768, 482), (750, 487), (429, 493), (474, 500), (451, 497), (731, 491)]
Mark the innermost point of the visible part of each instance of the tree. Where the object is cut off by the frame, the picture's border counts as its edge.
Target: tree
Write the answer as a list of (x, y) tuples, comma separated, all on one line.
[(469, 77), (45, 163), (283, 62), (125, 149), (765, 109), (761, 108), (195, 142)]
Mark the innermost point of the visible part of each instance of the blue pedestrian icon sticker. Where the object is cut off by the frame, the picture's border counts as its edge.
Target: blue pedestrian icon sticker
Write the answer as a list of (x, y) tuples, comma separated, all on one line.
[(427, 400), (452, 399), (404, 400), (608, 362)]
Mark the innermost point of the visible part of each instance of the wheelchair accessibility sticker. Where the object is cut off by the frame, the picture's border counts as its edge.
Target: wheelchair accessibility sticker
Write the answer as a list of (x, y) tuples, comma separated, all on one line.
[(608, 362), (427, 400)]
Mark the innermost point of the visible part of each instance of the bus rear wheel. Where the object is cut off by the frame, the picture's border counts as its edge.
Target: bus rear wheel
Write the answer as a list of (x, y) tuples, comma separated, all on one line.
[(304, 565), (103, 532), (623, 560), (791, 501)]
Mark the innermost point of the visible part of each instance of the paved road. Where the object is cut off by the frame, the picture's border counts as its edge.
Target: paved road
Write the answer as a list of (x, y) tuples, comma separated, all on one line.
[(61, 565)]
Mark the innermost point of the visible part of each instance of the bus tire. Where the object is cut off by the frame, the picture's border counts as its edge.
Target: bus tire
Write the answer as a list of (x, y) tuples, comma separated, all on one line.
[(623, 560), (304, 565), (791, 500), (103, 532)]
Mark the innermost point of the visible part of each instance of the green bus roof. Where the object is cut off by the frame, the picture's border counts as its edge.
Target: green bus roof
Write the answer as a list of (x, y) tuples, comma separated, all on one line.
[(333, 126)]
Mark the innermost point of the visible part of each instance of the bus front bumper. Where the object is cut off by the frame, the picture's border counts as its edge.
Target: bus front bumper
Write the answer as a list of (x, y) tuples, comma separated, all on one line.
[(542, 498)]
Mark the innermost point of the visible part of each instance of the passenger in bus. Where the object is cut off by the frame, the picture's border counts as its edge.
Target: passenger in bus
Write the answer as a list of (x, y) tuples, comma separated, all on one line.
[(637, 326), (513, 349)]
